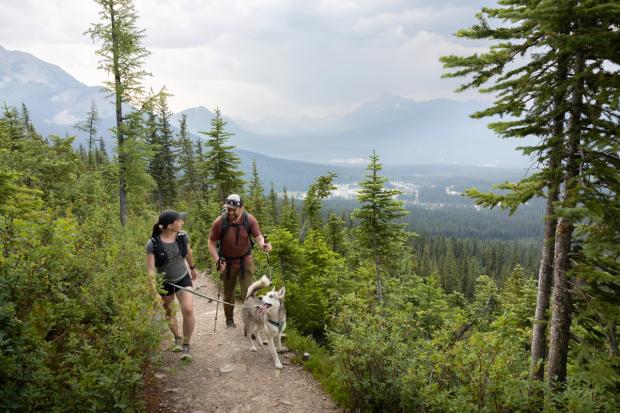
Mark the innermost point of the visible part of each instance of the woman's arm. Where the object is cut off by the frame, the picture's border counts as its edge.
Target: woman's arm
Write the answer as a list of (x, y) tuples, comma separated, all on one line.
[(189, 258)]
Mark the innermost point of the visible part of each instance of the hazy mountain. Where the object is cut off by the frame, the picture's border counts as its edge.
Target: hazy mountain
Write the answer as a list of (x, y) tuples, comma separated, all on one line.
[(55, 99), (402, 131)]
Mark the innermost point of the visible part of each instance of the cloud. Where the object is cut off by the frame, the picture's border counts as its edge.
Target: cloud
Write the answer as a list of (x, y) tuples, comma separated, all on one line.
[(262, 58), (64, 117)]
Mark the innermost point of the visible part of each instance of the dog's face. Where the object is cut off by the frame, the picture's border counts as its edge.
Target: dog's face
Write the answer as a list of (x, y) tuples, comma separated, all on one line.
[(272, 301)]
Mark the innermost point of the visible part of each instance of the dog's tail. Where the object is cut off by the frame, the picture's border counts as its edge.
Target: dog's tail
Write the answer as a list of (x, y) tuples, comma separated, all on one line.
[(257, 285)]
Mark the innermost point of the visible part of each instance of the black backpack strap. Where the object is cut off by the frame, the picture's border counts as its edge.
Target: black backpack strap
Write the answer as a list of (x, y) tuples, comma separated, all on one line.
[(246, 225), (161, 257), (183, 241)]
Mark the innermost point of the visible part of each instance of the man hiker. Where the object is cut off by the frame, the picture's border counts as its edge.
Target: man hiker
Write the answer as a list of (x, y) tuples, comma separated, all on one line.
[(168, 251), (230, 245)]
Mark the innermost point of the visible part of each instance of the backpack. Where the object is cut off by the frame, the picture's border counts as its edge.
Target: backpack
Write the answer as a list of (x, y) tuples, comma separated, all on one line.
[(161, 258), (226, 225)]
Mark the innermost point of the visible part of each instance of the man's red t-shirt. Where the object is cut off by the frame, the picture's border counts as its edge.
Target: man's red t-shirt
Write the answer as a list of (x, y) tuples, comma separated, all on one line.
[(236, 242)]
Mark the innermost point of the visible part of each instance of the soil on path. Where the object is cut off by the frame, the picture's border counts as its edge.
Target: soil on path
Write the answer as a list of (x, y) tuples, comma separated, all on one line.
[(225, 376)]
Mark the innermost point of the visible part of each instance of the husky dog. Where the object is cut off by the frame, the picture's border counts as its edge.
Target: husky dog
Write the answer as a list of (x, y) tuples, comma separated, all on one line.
[(265, 314)]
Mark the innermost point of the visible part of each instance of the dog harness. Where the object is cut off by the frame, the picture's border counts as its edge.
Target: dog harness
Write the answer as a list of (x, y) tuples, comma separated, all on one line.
[(279, 324)]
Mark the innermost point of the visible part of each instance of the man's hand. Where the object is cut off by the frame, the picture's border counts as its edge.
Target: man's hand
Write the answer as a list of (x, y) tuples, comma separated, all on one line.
[(221, 265), (266, 244)]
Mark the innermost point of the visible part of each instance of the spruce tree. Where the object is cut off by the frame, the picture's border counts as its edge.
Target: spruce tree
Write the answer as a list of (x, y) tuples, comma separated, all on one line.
[(221, 163), (334, 234), (271, 213), (562, 93), (163, 159), (318, 190), (187, 159), (378, 236), (122, 56), (89, 125), (202, 172), (256, 201)]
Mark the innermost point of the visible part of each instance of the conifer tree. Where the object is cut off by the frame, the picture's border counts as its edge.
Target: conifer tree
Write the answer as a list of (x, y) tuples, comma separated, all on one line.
[(289, 218), (377, 234), (318, 190), (271, 213), (28, 126), (202, 172), (140, 183), (89, 125), (122, 56), (256, 191), (163, 159), (561, 93), (187, 159), (221, 163), (14, 127), (334, 235)]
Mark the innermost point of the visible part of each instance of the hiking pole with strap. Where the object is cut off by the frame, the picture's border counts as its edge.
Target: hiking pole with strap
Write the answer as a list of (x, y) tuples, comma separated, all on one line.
[(217, 303)]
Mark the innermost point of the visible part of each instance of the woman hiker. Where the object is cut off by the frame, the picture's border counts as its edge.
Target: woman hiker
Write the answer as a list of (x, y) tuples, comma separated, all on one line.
[(168, 251)]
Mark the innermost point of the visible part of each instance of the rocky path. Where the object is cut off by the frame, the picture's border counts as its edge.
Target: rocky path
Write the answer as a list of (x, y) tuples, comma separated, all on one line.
[(225, 376)]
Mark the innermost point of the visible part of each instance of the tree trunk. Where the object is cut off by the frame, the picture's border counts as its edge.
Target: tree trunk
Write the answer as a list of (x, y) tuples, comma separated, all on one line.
[(377, 274), (561, 306), (545, 277), (545, 272), (120, 139)]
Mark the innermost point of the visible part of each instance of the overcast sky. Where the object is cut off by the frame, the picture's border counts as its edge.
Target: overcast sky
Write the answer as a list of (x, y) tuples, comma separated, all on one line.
[(263, 58)]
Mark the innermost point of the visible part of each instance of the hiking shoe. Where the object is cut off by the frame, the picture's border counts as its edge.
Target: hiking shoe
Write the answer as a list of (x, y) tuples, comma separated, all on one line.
[(176, 347), (230, 323), (186, 356)]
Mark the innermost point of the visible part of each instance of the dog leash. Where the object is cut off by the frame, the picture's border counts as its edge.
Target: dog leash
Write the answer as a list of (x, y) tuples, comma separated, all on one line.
[(205, 296)]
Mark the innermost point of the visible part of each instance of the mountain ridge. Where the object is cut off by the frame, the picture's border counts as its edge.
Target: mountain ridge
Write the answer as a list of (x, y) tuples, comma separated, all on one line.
[(401, 130)]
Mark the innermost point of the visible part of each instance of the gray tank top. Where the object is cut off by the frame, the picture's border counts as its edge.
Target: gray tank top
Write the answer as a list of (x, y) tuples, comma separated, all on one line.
[(176, 268)]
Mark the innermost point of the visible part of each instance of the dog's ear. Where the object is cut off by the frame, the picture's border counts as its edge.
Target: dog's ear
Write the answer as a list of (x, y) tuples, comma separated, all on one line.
[(281, 292)]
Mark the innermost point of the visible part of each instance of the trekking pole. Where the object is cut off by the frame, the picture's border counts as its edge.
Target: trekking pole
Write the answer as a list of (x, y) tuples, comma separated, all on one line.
[(217, 304)]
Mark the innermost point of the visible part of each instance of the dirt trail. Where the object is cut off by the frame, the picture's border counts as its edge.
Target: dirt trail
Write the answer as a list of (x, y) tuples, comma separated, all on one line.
[(225, 376)]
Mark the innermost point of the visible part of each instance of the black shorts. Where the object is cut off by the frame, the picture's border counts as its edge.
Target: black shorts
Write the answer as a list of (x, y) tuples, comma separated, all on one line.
[(183, 282)]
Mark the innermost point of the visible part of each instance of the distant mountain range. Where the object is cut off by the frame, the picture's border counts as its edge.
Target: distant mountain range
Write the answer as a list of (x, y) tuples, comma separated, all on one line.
[(432, 141), (402, 131)]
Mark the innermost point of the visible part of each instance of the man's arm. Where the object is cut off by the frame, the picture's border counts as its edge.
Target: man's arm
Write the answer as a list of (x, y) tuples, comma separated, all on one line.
[(265, 246), (258, 237), (221, 265)]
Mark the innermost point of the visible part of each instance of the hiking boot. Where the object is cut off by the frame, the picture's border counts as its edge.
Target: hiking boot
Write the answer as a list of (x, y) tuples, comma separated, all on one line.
[(176, 347), (186, 356), (230, 323)]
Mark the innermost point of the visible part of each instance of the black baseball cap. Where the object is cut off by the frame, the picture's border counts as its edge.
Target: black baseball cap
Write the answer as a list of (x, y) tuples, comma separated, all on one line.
[(169, 216)]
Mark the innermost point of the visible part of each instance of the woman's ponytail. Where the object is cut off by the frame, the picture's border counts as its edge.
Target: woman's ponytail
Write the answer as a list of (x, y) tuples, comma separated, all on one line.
[(156, 230)]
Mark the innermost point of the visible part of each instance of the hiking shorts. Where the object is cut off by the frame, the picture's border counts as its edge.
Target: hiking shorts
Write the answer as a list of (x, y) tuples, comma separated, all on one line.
[(169, 289)]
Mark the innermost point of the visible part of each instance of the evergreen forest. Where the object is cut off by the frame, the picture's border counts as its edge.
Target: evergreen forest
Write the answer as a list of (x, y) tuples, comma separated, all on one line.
[(507, 309)]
